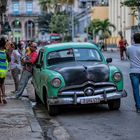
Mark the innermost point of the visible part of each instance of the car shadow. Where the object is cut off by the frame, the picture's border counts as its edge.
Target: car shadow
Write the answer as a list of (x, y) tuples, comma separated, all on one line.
[(83, 109)]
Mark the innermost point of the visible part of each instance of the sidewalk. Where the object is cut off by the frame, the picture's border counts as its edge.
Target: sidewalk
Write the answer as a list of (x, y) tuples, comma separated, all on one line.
[(17, 120)]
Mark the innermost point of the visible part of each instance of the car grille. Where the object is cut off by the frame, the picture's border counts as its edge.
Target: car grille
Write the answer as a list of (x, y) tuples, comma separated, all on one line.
[(88, 89)]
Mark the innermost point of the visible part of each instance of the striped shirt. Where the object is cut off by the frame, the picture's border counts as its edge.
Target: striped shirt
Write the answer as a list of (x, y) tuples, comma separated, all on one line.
[(3, 64)]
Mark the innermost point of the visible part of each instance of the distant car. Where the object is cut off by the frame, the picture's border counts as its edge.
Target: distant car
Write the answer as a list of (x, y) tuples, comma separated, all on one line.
[(54, 38), (76, 73)]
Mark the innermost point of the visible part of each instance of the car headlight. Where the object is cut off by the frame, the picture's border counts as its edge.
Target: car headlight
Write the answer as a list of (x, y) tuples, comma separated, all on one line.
[(117, 76), (56, 82)]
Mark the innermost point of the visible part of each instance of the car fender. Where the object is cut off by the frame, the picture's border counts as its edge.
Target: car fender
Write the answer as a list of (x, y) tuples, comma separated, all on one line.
[(114, 69)]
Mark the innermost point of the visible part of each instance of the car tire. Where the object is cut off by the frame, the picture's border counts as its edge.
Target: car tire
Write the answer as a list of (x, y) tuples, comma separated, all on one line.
[(37, 98), (114, 104), (52, 110)]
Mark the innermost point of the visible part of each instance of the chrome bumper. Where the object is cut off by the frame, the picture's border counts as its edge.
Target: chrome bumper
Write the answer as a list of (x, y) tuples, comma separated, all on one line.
[(80, 100)]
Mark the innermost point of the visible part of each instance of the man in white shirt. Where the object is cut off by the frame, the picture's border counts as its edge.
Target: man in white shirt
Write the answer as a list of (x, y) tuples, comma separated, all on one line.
[(133, 53)]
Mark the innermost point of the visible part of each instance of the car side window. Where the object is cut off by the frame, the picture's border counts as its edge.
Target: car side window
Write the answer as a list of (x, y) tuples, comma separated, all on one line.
[(40, 58)]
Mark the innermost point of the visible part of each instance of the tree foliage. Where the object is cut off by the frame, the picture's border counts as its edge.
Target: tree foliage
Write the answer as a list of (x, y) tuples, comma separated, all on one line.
[(135, 7), (44, 21), (59, 20), (131, 3), (68, 2), (58, 24), (92, 26), (101, 28)]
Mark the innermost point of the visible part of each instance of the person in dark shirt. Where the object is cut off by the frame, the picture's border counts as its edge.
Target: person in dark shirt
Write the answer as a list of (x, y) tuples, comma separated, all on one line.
[(122, 47)]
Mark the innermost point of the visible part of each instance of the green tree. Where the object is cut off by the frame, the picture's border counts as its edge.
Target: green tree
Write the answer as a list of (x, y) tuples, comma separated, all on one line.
[(50, 5), (68, 2), (59, 19), (135, 7), (97, 26), (43, 22), (45, 5), (103, 28), (59, 24), (92, 26)]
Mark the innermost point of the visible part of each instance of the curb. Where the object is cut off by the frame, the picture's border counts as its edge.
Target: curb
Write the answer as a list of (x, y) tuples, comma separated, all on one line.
[(34, 124)]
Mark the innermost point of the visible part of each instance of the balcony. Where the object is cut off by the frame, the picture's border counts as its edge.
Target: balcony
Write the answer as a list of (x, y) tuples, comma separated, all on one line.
[(24, 14)]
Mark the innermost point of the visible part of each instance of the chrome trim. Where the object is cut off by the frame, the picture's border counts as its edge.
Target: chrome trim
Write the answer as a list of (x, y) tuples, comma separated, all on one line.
[(88, 82), (76, 100), (107, 89)]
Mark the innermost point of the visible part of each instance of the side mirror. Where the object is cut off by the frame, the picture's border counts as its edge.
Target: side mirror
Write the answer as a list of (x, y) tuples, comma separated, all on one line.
[(109, 60), (38, 65)]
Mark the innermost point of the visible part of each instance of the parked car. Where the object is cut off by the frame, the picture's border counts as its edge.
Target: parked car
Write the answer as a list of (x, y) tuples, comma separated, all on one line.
[(76, 73)]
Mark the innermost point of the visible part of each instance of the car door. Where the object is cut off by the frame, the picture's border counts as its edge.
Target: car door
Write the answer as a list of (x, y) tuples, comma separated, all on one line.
[(37, 71)]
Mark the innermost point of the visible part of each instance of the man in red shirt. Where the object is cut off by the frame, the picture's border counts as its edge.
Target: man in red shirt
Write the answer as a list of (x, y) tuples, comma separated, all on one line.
[(122, 46), (27, 63)]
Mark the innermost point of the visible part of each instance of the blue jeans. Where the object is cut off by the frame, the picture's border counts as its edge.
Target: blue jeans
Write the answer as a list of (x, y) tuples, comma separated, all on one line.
[(26, 75), (135, 81)]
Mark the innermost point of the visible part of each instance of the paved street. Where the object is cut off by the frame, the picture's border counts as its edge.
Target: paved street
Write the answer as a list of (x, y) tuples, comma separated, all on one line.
[(17, 120), (27, 26), (84, 123), (96, 122)]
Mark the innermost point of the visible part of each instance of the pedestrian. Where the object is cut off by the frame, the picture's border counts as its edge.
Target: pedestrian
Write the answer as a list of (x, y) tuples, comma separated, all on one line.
[(28, 63), (102, 46), (28, 51), (133, 53), (15, 64), (122, 47), (3, 70)]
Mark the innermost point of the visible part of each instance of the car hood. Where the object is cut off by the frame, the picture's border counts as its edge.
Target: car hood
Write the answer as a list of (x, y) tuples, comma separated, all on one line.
[(76, 73)]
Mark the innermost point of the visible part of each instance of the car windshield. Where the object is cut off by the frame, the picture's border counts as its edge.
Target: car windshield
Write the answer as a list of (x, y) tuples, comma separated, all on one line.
[(77, 54)]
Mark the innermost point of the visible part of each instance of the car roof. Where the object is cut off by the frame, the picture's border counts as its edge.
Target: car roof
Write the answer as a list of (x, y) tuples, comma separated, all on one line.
[(53, 47)]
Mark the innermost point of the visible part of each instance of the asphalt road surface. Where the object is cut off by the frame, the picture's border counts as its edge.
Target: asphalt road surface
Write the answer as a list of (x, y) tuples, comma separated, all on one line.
[(96, 122)]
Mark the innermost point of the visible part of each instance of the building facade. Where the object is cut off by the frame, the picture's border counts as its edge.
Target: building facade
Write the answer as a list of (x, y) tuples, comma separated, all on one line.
[(121, 18), (22, 16), (103, 9), (87, 10), (3, 5)]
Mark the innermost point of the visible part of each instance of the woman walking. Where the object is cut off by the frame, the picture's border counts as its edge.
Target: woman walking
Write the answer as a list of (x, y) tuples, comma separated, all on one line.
[(3, 70)]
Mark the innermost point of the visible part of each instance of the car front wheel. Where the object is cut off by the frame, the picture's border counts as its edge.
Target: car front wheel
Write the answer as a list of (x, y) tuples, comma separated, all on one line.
[(114, 104), (52, 110), (37, 98)]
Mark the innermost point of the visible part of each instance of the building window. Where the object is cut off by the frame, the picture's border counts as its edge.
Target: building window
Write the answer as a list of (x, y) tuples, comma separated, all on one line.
[(15, 7), (29, 7)]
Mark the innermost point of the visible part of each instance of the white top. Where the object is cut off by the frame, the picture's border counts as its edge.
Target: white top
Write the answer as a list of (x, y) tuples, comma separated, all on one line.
[(133, 53), (15, 60)]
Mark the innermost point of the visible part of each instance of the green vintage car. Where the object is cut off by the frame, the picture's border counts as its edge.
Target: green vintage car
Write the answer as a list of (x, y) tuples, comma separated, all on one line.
[(76, 73)]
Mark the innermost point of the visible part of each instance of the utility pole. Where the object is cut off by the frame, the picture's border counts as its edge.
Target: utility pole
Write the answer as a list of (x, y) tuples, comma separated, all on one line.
[(72, 16), (88, 6)]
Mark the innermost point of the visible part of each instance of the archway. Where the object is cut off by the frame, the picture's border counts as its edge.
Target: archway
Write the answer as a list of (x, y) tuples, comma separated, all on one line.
[(29, 30), (17, 30)]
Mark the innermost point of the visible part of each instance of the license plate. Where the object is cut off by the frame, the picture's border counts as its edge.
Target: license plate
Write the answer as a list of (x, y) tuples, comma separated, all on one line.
[(90, 100)]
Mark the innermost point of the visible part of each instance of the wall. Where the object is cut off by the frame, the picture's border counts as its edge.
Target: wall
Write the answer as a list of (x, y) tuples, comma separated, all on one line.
[(100, 13)]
